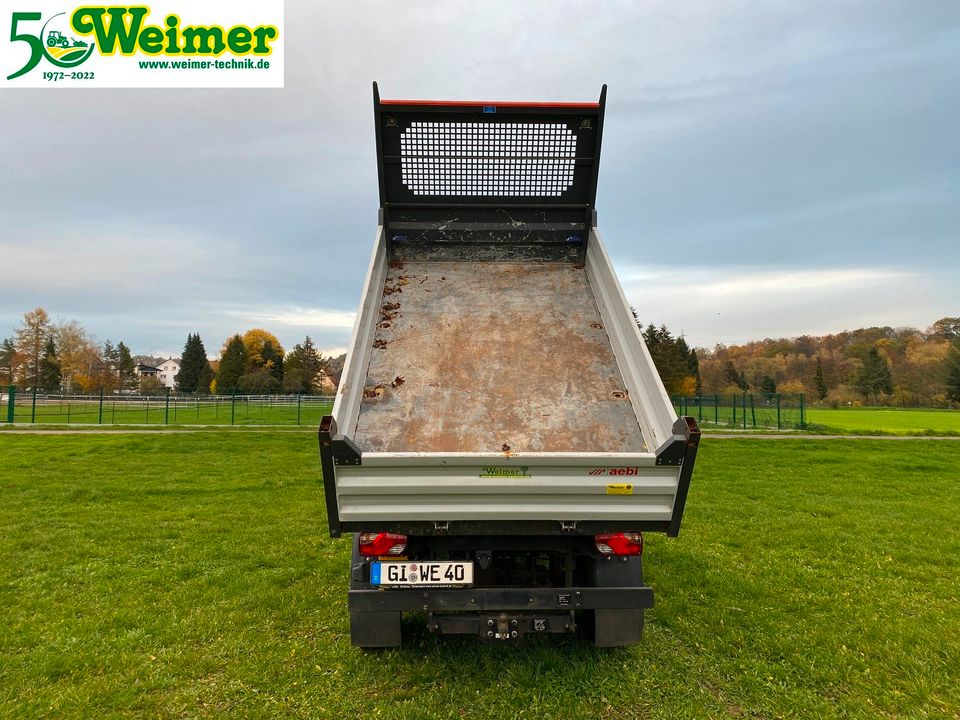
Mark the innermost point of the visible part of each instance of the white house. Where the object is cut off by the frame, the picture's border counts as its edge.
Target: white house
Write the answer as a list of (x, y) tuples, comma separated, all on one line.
[(169, 369)]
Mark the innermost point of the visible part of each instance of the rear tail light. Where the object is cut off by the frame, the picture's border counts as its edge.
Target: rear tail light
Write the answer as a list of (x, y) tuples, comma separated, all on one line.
[(375, 544), (621, 543)]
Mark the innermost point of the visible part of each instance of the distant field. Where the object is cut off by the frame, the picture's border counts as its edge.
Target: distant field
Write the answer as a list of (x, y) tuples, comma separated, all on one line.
[(190, 575), (887, 420)]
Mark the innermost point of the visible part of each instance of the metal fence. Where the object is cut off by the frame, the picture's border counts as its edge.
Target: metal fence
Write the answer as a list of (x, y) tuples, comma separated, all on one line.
[(745, 411), (31, 406)]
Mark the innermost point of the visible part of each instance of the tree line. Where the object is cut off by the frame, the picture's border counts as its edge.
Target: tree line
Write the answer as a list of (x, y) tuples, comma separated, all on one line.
[(61, 356), (903, 367)]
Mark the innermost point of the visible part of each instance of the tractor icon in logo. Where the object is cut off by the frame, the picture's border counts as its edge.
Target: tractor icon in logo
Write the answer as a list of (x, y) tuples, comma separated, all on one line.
[(60, 48), (55, 37)]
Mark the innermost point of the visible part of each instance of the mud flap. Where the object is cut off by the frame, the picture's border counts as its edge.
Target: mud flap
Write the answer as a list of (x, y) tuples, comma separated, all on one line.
[(375, 629), (617, 627)]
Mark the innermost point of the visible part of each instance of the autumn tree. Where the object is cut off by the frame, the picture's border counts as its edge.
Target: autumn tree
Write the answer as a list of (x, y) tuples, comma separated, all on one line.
[(948, 327), (30, 339), (79, 357), (232, 364), (253, 342)]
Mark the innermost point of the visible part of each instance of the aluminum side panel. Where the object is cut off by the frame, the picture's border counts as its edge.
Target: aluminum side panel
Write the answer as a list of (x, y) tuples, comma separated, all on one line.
[(544, 493)]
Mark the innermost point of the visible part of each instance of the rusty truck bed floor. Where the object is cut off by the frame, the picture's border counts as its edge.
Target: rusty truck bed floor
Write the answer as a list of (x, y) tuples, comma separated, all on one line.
[(493, 357)]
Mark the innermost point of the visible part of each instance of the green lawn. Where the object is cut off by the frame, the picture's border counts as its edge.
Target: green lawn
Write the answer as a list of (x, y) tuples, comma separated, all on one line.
[(223, 410), (886, 420), (190, 575)]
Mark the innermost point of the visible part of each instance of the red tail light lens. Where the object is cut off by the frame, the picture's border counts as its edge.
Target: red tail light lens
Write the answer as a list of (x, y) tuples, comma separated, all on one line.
[(621, 543), (374, 544)]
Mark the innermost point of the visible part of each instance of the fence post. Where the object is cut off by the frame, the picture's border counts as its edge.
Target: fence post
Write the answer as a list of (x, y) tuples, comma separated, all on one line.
[(33, 406), (778, 411), (233, 405), (803, 424), (734, 397), (299, 397), (700, 408), (100, 413), (753, 412), (166, 409), (716, 408), (744, 408), (68, 411), (11, 402)]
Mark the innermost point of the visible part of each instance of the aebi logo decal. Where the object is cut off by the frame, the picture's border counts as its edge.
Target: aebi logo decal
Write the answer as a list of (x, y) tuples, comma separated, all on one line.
[(215, 43), (623, 471)]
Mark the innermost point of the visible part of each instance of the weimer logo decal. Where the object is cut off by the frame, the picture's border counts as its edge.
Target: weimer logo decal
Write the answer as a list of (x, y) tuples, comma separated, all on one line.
[(505, 472), (216, 43)]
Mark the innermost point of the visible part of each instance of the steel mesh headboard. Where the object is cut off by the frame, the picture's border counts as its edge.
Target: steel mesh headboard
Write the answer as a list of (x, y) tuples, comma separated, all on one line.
[(460, 176)]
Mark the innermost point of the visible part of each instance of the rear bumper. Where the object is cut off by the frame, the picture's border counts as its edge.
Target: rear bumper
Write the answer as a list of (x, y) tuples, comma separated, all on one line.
[(449, 600)]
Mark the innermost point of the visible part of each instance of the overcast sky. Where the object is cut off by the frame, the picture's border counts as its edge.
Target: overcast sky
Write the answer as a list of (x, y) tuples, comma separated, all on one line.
[(769, 169)]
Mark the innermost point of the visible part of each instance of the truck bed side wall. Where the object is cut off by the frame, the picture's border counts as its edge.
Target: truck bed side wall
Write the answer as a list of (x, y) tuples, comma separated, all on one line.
[(346, 408), (649, 397)]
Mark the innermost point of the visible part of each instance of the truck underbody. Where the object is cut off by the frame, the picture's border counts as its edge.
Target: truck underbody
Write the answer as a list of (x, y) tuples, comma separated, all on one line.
[(500, 437)]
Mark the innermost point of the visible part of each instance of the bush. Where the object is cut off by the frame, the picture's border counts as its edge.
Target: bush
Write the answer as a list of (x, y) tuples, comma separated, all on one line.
[(259, 382)]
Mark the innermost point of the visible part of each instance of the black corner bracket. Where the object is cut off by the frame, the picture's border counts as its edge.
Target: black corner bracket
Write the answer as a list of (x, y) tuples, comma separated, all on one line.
[(680, 449)]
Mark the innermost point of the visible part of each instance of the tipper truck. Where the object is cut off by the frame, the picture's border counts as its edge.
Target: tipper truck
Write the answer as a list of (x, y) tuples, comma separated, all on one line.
[(500, 439)]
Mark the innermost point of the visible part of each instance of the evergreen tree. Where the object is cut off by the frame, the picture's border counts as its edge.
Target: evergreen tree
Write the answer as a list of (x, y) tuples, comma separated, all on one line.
[(694, 364), (670, 355), (874, 376), (231, 366), (768, 385), (730, 373), (204, 379), (49, 379), (124, 367), (742, 382), (192, 363), (953, 372), (302, 366), (819, 382), (8, 354), (272, 360)]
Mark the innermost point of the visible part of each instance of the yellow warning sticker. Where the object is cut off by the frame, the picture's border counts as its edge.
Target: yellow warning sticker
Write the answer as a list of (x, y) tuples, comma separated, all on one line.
[(619, 489)]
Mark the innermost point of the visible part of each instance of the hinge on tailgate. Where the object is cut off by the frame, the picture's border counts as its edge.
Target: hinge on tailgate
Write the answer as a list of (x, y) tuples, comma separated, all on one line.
[(442, 527), (568, 526)]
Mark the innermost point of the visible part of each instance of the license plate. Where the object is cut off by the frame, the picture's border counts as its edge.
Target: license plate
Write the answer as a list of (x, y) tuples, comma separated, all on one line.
[(419, 574)]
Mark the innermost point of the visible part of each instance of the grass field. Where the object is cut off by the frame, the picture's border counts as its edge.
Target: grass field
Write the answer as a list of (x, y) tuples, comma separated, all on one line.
[(894, 421), (190, 575), (225, 410)]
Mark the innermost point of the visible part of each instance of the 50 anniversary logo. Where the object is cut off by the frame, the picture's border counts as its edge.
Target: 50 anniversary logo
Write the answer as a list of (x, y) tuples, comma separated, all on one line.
[(130, 42)]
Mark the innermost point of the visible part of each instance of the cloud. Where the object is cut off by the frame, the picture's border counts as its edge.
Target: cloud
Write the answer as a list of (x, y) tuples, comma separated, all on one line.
[(730, 305), (792, 167)]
